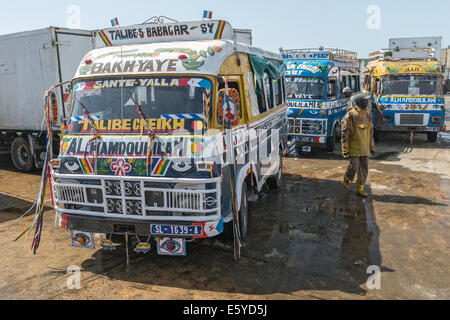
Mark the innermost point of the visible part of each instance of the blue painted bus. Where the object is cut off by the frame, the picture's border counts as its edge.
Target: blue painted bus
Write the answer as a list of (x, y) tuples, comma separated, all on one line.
[(315, 79)]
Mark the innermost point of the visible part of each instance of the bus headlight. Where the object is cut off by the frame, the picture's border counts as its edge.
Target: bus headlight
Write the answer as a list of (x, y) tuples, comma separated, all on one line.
[(387, 119), (436, 119)]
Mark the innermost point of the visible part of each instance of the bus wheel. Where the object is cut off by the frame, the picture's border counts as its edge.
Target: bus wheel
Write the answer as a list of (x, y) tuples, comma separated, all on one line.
[(21, 154), (376, 135), (431, 136), (338, 133), (331, 141), (243, 213), (274, 182), (243, 218)]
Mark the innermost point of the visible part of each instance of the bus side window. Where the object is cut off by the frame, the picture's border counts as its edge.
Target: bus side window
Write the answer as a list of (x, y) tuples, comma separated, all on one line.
[(283, 89), (278, 91), (376, 86), (268, 90), (331, 89), (367, 83), (261, 101), (234, 103)]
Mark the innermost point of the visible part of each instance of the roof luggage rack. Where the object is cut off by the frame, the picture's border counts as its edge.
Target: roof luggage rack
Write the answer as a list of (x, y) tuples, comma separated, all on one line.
[(341, 55), (397, 54)]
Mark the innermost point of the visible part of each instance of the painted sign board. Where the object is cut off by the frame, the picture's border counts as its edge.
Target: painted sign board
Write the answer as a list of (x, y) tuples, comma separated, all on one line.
[(154, 33), (309, 55)]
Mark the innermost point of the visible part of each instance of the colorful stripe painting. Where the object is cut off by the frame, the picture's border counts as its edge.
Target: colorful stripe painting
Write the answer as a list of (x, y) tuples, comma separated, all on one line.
[(161, 167), (105, 38), (86, 166), (220, 29)]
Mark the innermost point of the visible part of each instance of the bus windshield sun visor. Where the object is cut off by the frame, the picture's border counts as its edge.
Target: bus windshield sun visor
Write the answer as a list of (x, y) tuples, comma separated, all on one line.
[(274, 69)]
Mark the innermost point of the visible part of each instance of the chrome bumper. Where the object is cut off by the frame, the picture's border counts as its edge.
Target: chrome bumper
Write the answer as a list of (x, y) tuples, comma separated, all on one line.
[(140, 198)]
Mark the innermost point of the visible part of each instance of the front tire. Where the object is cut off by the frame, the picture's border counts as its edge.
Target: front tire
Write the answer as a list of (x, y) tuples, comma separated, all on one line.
[(243, 213), (274, 182), (331, 141), (21, 154), (243, 218), (376, 135), (431, 136)]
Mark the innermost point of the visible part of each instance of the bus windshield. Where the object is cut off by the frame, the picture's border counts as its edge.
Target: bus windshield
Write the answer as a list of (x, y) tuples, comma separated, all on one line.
[(411, 85), (308, 88), (169, 103)]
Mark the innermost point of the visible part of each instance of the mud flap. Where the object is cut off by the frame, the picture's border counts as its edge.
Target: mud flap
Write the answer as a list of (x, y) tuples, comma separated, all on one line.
[(82, 239), (292, 151), (171, 246)]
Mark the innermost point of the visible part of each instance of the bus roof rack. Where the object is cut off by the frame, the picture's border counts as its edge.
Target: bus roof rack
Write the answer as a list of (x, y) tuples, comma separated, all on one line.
[(397, 54), (308, 53)]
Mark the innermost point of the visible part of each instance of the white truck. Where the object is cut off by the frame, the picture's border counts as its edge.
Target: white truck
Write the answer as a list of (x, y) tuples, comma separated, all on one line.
[(30, 63)]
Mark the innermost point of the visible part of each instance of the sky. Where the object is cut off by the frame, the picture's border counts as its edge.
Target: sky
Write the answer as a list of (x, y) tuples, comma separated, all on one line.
[(358, 25)]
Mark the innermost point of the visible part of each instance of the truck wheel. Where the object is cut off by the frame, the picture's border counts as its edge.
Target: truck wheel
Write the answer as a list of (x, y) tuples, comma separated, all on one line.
[(243, 218), (331, 141), (338, 133), (21, 154), (243, 213), (376, 135), (431, 136), (274, 182)]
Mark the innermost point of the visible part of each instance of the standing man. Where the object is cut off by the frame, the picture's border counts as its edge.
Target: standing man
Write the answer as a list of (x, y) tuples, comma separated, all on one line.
[(357, 141)]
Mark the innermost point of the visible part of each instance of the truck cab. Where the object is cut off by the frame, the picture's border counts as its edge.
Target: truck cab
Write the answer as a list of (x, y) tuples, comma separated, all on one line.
[(171, 128)]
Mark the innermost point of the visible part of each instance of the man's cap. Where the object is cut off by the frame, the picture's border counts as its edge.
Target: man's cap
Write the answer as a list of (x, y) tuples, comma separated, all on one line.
[(361, 96)]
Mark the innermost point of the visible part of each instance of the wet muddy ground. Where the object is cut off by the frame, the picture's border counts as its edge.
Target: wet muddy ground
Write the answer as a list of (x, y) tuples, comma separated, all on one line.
[(312, 239)]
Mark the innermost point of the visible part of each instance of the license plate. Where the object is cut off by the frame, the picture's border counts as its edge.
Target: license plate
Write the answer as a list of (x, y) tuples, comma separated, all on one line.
[(306, 149), (176, 230), (171, 247), (431, 129), (305, 139)]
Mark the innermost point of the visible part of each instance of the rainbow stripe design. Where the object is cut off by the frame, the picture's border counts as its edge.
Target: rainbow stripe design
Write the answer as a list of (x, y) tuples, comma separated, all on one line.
[(105, 39), (161, 167), (219, 31), (86, 166)]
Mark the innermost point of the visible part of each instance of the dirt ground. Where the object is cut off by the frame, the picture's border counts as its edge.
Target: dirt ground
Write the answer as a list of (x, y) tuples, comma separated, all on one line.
[(310, 240)]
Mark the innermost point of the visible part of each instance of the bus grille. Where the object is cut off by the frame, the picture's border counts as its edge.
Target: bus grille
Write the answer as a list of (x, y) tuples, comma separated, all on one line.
[(413, 119)]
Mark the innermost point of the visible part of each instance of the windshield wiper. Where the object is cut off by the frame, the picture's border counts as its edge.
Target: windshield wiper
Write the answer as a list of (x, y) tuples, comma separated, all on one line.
[(87, 114), (142, 114)]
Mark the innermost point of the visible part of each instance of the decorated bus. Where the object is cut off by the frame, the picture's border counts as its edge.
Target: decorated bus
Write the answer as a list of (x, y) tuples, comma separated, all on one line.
[(171, 127), (407, 88), (315, 80)]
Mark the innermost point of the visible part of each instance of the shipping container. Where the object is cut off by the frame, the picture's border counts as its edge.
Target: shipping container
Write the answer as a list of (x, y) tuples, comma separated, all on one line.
[(30, 63)]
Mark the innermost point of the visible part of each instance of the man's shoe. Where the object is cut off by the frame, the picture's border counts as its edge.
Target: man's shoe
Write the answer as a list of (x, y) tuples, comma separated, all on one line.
[(360, 191), (347, 182)]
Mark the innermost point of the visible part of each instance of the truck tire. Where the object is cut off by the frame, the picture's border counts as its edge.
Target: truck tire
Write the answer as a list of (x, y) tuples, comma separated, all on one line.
[(243, 218), (274, 182), (21, 154), (331, 141), (431, 136), (376, 135), (243, 212)]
